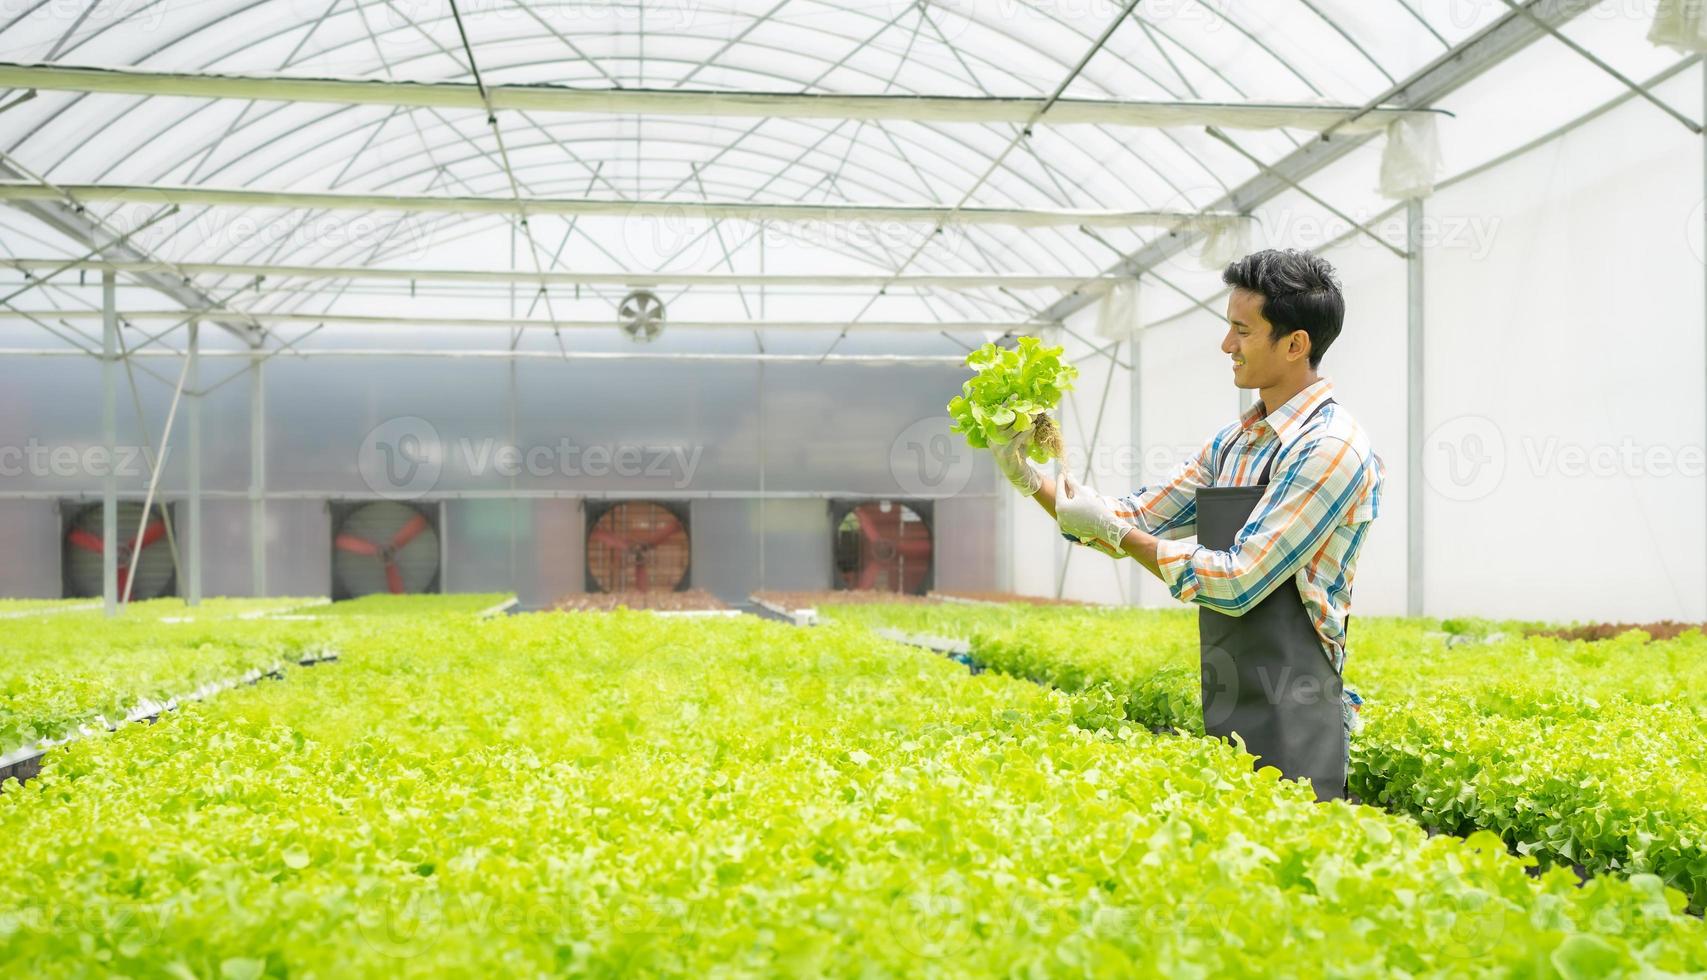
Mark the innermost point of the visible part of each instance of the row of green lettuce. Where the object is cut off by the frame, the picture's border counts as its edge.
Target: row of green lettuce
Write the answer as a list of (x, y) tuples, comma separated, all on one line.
[(60, 673), (1590, 753), (618, 793), (385, 604), (67, 666), (162, 608)]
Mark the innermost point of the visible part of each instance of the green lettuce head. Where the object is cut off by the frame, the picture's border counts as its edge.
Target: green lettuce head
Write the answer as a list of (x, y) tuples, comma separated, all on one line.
[(1012, 392)]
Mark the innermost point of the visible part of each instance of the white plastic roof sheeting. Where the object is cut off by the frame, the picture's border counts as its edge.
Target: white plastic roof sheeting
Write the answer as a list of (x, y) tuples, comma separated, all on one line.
[(718, 60)]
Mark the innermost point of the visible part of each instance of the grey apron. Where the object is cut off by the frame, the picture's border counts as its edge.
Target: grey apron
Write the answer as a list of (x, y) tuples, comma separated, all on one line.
[(1265, 675)]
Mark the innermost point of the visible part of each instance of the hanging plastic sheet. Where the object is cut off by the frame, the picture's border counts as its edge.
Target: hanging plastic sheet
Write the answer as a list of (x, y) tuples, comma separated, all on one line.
[(1678, 24), (1117, 313), (1412, 163)]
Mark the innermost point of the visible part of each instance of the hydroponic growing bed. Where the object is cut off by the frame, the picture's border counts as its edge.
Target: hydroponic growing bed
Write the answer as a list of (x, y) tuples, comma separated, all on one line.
[(1590, 754), (622, 793)]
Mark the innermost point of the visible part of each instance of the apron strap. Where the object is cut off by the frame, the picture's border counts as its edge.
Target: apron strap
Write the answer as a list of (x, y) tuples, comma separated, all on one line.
[(1269, 466), (1221, 460)]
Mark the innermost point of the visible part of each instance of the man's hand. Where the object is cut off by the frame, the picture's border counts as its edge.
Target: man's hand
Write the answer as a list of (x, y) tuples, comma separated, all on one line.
[(1087, 515), (1010, 459)]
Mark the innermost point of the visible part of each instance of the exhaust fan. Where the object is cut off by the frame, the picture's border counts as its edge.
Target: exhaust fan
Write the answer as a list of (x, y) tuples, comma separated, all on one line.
[(641, 315), (637, 546), (83, 551), (883, 545), (384, 546)]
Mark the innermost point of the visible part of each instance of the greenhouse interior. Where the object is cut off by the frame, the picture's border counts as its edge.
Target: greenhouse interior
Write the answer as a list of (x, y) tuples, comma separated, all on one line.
[(539, 488)]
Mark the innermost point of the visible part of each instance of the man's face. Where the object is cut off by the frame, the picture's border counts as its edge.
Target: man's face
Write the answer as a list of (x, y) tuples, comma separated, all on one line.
[(1259, 360)]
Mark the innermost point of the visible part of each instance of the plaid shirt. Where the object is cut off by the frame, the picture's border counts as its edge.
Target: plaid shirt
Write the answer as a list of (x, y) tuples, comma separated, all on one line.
[(1323, 492)]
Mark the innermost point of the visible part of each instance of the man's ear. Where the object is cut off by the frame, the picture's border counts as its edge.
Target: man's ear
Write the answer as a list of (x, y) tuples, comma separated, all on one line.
[(1298, 345)]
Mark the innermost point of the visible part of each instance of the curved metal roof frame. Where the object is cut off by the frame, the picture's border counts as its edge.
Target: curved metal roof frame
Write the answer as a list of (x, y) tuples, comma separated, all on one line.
[(1164, 54), (944, 132)]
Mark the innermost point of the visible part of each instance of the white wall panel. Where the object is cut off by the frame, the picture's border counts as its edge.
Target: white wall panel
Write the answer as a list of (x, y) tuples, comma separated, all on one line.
[(1565, 376), (30, 541)]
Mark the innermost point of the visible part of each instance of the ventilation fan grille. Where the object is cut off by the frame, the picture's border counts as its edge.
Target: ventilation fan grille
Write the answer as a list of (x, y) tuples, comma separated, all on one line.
[(641, 315), (384, 546), (638, 546), (84, 552), (883, 546)]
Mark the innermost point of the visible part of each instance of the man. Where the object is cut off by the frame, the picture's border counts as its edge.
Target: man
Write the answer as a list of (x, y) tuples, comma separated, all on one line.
[(1279, 503)]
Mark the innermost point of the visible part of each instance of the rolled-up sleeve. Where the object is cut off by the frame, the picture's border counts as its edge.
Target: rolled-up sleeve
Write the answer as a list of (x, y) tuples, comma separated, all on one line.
[(1170, 507), (1316, 489)]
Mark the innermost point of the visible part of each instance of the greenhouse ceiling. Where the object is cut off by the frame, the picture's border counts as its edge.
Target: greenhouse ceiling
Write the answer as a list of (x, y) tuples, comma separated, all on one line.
[(964, 169)]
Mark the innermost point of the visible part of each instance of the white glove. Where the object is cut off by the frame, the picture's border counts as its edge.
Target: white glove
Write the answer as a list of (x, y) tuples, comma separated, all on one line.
[(1089, 516), (1010, 459)]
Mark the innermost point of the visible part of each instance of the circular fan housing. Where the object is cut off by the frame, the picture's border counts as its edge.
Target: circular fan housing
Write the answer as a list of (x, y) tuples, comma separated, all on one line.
[(637, 546), (385, 546), (883, 546), (641, 315), (84, 552)]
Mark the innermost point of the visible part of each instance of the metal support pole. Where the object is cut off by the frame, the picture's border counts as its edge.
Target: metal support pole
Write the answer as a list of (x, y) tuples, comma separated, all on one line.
[(1136, 357), (135, 560), (514, 501), (257, 480), (193, 474), (1090, 456), (109, 436), (761, 422), (1414, 408), (763, 536)]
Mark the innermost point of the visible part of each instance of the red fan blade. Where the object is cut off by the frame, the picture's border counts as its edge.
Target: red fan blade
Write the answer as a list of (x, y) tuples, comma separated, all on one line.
[(867, 526), (355, 545), (661, 534), (154, 532), (83, 539), (407, 533), (867, 575), (915, 548), (605, 537), (393, 578)]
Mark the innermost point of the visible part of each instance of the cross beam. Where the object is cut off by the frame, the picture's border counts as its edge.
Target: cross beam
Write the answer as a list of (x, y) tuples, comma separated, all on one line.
[(677, 102)]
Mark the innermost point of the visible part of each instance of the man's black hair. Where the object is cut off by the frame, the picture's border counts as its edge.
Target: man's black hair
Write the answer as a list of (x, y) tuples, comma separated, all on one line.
[(1299, 292)]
